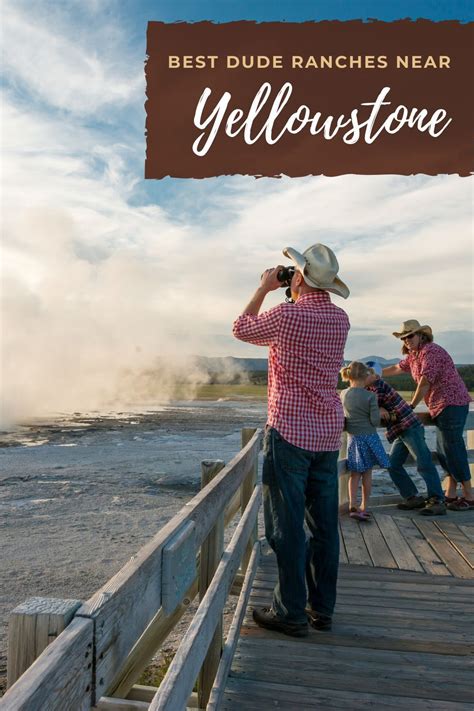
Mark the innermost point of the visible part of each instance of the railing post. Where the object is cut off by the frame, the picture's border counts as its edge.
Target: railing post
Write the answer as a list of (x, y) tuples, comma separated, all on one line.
[(211, 554), (248, 485), (470, 445), (32, 626)]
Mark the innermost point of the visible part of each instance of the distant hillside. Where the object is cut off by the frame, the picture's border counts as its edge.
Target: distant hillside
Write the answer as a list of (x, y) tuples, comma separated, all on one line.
[(231, 363), (237, 370)]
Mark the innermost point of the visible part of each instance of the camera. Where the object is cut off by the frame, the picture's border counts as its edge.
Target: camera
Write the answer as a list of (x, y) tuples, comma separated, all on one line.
[(285, 275)]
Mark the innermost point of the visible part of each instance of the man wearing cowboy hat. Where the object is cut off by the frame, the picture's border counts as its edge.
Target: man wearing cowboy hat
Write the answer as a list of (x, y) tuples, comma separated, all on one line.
[(305, 421)]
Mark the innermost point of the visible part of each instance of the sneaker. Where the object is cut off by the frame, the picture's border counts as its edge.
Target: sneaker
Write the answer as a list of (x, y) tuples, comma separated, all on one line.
[(413, 502), (434, 507), (318, 621), (266, 617)]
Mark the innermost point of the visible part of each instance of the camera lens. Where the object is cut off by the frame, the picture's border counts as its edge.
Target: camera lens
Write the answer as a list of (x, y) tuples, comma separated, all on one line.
[(285, 275)]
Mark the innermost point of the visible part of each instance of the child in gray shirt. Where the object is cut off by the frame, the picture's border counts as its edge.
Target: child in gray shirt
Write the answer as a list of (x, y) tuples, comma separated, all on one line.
[(364, 446)]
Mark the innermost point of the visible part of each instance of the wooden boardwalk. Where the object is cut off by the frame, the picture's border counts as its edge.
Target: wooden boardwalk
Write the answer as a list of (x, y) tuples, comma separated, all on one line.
[(439, 546), (402, 631)]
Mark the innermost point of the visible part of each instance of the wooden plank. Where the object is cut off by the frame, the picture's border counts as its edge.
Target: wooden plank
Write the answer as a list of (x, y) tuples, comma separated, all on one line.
[(393, 608), (232, 508), (449, 555), (211, 554), (359, 572), (378, 597), (32, 626), (388, 600), (377, 638), (427, 557), (405, 602), (286, 648), (348, 572), (179, 680), (458, 540), (108, 703), (139, 692), (153, 637), (233, 635), (342, 548), (384, 500), (359, 586), (61, 677), (401, 551), (356, 549), (377, 547), (353, 675), (246, 491), (395, 617), (119, 620), (259, 696), (436, 607), (178, 566), (468, 531), (448, 588)]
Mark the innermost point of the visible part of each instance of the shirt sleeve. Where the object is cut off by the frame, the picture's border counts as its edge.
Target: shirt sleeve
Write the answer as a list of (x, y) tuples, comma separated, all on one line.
[(432, 365), (374, 412), (405, 365), (261, 330)]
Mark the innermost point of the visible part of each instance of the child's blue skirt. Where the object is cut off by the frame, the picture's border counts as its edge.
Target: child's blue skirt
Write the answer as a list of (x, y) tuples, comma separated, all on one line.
[(364, 452)]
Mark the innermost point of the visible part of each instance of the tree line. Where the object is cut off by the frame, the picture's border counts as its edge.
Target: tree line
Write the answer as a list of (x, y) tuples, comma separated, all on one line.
[(399, 382)]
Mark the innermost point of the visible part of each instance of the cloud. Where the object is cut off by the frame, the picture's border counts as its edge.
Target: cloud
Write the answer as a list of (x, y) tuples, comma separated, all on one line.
[(100, 287), (77, 68)]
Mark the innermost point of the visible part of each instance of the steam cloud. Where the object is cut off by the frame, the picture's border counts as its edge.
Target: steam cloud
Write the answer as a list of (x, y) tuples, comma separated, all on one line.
[(94, 325)]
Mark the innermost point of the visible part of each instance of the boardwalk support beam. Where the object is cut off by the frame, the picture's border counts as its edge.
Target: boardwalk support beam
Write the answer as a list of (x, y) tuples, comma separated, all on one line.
[(32, 626)]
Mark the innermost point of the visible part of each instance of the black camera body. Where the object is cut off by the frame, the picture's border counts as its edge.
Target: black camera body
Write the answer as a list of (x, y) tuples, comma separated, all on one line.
[(285, 275)]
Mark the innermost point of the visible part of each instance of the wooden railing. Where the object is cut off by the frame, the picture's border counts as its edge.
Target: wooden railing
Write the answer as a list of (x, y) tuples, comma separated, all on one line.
[(427, 422), (69, 655)]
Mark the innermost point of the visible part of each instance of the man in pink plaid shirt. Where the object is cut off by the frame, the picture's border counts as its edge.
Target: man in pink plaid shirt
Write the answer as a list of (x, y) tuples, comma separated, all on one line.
[(305, 421)]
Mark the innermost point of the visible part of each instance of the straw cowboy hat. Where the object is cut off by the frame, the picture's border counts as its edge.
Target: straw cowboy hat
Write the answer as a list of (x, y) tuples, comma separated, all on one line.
[(412, 326), (319, 267)]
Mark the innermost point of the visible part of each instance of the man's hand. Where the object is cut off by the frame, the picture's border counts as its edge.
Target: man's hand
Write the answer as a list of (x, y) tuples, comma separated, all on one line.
[(269, 281), (384, 414)]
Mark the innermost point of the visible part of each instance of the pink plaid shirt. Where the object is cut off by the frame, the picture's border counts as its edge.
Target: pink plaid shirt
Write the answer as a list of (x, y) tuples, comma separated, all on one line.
[(447, 386), (306, 342)]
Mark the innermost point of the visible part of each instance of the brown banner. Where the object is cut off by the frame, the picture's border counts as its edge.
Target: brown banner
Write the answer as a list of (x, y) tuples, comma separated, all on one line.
[(314, 98)]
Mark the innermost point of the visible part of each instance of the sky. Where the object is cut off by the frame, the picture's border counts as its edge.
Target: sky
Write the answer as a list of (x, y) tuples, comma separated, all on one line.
[(103, 271)]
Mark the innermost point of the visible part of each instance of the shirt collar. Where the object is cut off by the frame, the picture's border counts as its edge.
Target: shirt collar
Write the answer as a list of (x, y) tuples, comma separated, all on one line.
[(320, 297)]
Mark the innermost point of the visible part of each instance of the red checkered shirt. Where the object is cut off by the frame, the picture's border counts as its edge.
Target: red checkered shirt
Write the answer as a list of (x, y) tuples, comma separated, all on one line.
[(306, 342), (446, 385)]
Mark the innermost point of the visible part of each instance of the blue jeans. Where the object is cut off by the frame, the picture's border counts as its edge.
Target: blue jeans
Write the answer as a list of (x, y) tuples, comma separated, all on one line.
[(300, 485), (450, 441), (412, 441)]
